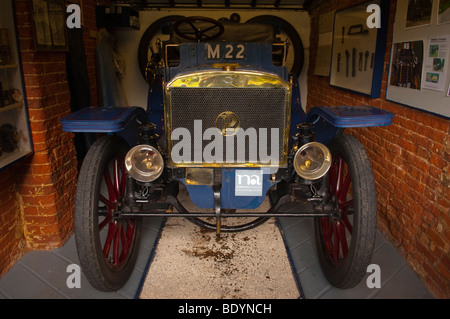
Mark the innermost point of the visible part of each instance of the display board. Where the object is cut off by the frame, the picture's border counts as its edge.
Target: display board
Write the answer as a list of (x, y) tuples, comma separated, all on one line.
[(358, 49), (419, 66)]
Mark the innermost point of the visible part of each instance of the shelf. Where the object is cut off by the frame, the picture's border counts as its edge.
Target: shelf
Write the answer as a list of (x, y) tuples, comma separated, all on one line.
[(8, 158), (11, 77), (11, 107)]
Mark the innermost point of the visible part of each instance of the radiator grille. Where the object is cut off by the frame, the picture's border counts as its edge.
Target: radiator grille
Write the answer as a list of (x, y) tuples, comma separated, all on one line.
[(257, 108)]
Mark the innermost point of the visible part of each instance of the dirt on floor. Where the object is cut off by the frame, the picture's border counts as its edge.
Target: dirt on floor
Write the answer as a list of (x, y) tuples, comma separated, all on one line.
[(193, 263)]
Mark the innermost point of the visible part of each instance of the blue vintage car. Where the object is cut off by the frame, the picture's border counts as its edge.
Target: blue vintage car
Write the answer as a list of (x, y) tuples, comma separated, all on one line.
[(225, 121)]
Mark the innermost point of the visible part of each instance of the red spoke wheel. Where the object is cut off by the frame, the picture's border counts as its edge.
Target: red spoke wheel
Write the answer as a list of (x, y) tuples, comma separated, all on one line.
[(345, 241), (107, 244)]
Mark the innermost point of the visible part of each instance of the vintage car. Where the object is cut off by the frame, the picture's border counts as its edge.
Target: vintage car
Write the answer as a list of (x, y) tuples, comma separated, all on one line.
[(226, 122)]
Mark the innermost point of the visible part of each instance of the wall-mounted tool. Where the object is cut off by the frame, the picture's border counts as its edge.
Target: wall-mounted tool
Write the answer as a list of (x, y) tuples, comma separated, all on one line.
[(347, 62), (354, 62), (366, 57), (339, 62), (357, 29), (360, 61)]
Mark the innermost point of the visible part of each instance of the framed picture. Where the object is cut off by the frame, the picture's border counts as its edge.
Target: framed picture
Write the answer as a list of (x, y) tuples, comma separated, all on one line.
[(419, 68), (358, 51), (418, 13), (49, 25), (407, 64), (444, 12)]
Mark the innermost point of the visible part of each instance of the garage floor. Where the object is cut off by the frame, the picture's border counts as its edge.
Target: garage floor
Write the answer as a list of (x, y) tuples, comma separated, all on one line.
[(43, 274)]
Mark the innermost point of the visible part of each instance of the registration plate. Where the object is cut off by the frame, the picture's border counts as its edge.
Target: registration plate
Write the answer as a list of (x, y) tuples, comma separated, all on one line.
[(248, 182), (222, 51)]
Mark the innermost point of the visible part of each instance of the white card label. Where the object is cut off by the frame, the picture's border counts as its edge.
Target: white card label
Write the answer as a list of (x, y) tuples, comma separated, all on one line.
[(248, 183)]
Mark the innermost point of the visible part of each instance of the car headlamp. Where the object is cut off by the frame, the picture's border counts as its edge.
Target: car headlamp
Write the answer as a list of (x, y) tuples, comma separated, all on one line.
[(144, 163), (312, 161)]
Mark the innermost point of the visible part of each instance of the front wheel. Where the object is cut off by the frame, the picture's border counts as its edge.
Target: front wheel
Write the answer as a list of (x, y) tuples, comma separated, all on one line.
[(345, 241), (107, 244)]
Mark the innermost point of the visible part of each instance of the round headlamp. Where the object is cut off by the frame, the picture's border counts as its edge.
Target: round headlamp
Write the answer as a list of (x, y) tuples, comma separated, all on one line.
[(144, 163), (312, 161)]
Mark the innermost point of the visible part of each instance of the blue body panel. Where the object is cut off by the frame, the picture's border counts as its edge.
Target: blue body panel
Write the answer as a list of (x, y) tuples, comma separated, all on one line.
[(155, 105), (203, 195), (258, 56)]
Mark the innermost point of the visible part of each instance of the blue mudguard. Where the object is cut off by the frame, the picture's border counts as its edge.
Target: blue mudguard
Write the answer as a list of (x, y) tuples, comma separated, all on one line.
[(331, 120), (123, 121)]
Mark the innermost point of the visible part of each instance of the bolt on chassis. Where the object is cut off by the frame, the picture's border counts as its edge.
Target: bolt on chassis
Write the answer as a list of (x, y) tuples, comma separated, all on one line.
[(222, 99)]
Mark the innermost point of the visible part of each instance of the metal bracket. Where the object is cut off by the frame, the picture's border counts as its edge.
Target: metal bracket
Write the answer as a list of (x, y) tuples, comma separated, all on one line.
[(217, 211)]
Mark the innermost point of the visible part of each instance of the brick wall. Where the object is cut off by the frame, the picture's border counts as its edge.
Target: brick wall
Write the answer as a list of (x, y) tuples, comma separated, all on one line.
[(410, 161), (37, 201), (12, 241)]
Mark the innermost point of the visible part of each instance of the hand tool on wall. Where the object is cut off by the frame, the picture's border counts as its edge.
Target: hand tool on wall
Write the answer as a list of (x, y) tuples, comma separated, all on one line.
[(347, 61), (2, 102), (366, 57), (357, 29), (354, 62), (339, 62), (360, 61)]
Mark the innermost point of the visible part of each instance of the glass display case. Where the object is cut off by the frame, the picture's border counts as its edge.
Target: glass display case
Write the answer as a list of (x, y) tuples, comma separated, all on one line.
[(15, 137)]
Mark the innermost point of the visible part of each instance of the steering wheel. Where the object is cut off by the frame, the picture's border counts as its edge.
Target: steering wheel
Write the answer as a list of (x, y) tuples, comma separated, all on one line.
[(198, 28)]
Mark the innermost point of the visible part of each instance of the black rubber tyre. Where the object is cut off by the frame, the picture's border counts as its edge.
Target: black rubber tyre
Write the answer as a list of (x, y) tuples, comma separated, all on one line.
[(345, 242), (107, 246), (147, 37), (296, 41)]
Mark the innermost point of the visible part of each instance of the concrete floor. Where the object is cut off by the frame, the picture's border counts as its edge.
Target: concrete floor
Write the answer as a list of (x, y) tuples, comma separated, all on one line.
[(43, 274)]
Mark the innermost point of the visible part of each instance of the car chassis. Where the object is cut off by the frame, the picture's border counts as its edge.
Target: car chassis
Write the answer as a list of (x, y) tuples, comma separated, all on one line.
[(129, 173)]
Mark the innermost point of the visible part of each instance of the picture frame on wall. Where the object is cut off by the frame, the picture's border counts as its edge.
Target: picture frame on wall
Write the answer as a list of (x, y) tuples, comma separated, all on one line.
[(407, 64), (444, 12), (358, 50), (419, 68), (49, 25), (419, 13)]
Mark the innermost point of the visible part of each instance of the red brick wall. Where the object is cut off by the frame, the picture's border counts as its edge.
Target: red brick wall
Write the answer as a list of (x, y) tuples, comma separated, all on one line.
[(411, 165), (37, 202), (12, 241)]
